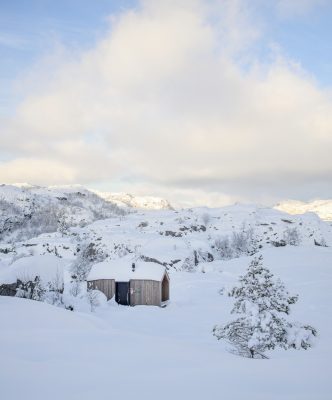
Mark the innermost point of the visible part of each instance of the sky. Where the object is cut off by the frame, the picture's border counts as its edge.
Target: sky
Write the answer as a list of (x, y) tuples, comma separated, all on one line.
[(203, 102)]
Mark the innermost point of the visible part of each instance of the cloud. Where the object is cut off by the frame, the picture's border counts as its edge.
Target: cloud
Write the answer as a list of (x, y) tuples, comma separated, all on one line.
[(173, 98)]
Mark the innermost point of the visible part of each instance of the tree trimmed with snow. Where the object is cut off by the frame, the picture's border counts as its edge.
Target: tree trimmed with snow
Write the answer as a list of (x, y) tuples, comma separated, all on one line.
[(262, 304)]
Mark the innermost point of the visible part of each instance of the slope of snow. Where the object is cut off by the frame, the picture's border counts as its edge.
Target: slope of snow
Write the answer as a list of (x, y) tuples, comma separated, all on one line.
[(323, 208), (136, 352)]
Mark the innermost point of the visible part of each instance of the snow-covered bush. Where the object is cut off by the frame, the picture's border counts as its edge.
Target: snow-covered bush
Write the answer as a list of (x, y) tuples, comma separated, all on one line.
[(190, 263), (223, 247), (121, 249), (75, 287), (31, 289), (82, 299), (321, 243), (195, 257), (241, 243), (89, 253), (96, 298), (54, 290), (292, 236), (80, 270), (261, 303), (244, 242)]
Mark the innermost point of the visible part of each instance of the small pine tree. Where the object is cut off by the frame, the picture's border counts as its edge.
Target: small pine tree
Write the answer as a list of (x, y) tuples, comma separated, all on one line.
[(261, 304), (62, 224), (38, 292)]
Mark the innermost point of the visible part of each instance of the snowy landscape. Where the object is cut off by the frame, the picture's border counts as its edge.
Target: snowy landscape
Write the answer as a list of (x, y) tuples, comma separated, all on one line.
[(166, 200), (81, 344)]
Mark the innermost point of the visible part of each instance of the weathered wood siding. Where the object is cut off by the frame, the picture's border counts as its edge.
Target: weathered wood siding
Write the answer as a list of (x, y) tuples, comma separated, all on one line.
[(107, 286), (145, 292)]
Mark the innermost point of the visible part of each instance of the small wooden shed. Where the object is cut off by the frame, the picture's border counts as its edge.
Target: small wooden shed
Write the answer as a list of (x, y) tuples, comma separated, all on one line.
[(132, 283)]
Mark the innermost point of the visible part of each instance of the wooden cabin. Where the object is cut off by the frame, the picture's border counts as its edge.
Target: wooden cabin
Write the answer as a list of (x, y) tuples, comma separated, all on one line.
[(132, 283)]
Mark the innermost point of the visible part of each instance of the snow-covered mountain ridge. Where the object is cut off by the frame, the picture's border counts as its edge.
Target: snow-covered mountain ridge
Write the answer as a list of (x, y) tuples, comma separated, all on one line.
[(28, 210), (323, 208), (123, 200), (132, 201)]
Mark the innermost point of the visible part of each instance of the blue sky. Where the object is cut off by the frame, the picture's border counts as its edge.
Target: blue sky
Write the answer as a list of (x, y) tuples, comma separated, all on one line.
[(152, 88), (307, 39), (29, 30)]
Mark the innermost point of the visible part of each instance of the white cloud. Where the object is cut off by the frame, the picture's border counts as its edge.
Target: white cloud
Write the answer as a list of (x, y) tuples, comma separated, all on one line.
[(163, 100)]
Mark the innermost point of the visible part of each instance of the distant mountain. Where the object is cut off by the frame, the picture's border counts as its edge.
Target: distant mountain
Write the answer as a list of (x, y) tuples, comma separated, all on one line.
[(132, 201), (27, 210), (323, 208)]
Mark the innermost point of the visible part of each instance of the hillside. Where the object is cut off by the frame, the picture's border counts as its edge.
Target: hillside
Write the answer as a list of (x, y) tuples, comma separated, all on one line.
[(180, 239), (27, 210), (323, 208)]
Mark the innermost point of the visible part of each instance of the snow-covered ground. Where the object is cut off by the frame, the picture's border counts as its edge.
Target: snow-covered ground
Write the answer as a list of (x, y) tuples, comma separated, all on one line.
[(169, 353), (48, 352)]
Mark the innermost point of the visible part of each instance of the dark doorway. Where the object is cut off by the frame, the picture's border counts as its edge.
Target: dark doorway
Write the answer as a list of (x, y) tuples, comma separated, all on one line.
[(165, 289), (122, 293)]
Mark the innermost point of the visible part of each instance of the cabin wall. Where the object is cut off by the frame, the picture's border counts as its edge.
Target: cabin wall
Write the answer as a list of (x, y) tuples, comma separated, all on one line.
[(145, 292), (107, 286)]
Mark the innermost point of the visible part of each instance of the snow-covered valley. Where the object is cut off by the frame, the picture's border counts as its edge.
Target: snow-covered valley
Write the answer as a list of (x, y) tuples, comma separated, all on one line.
[(114, 350)]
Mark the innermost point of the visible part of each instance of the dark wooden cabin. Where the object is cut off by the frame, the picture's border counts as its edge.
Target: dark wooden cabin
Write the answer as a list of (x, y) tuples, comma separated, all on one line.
[(132, 283)]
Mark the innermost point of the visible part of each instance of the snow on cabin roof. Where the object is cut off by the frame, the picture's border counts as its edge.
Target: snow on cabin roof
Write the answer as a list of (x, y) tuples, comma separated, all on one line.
[(121, 270)]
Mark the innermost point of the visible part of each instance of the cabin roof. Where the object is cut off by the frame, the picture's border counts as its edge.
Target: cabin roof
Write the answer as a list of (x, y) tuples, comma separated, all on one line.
[(121, 270)]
